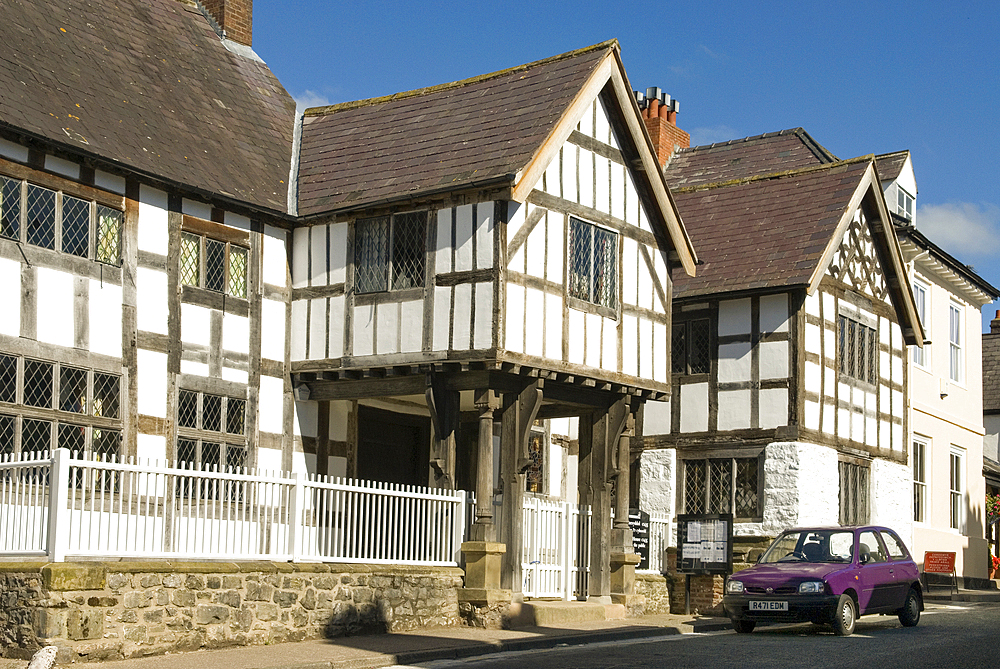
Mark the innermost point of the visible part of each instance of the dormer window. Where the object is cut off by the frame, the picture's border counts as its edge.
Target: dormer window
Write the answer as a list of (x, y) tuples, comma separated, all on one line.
[(904, 204), (593, 264), (390, 252)]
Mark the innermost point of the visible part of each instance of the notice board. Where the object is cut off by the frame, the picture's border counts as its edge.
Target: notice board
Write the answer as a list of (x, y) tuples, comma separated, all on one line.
[(705, 543)]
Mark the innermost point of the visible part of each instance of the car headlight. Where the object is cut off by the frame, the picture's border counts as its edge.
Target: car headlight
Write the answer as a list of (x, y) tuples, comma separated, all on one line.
[(811, 587), (734, 587)]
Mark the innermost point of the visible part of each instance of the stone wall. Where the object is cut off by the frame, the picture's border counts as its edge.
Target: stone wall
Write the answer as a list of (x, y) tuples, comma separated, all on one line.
[(115, 610), (655, 589)]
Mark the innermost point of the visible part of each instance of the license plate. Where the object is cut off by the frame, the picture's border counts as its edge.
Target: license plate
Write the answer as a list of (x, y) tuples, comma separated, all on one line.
[(768, 606)]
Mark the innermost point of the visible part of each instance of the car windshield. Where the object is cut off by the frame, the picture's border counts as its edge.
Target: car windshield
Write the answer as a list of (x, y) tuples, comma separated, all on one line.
[(811, 546)]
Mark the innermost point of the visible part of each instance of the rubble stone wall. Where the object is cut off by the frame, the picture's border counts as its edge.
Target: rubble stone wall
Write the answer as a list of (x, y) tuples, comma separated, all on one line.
[(113, 610)]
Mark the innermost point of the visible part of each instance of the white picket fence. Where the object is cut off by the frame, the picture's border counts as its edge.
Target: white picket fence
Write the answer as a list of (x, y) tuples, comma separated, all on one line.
[(662, 534), (556, 548), (61, 506)]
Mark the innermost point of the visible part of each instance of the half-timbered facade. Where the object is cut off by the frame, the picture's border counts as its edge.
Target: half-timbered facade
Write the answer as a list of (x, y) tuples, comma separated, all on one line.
[(455, 269), (788, 347)]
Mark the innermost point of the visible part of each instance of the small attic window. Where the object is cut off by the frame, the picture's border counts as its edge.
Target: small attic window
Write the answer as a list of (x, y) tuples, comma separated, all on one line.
[(904, 204)]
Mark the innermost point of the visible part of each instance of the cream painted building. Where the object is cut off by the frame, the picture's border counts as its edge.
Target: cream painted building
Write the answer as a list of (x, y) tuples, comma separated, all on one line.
[(945, 387)]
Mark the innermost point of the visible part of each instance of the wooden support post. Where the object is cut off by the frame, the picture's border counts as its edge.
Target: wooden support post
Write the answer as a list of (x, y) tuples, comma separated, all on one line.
[(519, 411), (607, 428), (484, 529), (444, 408)]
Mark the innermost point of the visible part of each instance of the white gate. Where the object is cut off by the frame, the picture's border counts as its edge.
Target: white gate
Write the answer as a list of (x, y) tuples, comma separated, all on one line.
[(553, 558)]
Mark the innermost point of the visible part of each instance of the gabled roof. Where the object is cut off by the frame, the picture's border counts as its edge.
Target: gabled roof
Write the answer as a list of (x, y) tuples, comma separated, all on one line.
[(891, 164), (782, 230), (147, 85), (744, 158), (495, 130)]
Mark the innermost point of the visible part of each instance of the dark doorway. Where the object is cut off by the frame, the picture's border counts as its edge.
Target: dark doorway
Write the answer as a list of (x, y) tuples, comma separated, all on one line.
[(393, 447)]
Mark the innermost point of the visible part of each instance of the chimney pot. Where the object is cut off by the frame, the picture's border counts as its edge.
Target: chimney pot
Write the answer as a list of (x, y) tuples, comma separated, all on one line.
[(995, 324)]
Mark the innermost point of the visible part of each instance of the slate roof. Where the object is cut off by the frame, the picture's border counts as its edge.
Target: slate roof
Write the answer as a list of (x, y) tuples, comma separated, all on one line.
[(889, 165), (764, 232), (991, 373), (147, 85), (463, 134), (744, 158)]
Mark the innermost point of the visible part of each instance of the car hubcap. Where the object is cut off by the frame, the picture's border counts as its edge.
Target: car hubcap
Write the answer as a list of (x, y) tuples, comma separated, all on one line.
[(847, 616)]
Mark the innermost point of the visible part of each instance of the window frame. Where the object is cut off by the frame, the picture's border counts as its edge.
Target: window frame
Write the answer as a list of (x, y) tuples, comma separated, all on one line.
[(921, 293), (201, 269), (857, 343), (853, 510), (733, 459), (956, 489), (610, 275), (93, 417), (905, 203), (98, 212), (688, 351), (389, 263), (956, 344), (201, 436), (920, 447)]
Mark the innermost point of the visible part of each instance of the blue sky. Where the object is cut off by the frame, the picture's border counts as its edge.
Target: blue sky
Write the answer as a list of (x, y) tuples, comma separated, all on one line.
[(860, 77)]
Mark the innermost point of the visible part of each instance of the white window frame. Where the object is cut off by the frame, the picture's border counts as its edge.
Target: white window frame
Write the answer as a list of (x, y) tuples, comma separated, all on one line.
[(921, 447), (921, 293), (905, 203), (956, 333), (956, 485)]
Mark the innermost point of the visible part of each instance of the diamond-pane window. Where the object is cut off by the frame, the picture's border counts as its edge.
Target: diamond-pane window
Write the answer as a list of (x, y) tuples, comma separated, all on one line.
[(73, 438), (858, 350), (38, 383), (187, 409), (720, 485), (235, 415), (409, 233), (237, 271), (10, 208), (371, 255), (593, 264), (107, 395), (107, 442), (41, 216), (215, 265), (8, 379), (109, 235), (678, 348), (694, 486), (36, 435), (236, 458), (699, 346), (187, 450), (211, 412), (7, 426), (73, 389), (190, 259), (211, 455), (75, 226), (746, 488)]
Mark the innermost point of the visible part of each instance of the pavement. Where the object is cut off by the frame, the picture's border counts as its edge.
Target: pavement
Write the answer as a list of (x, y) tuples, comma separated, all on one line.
[(424, 645), (442, 643)]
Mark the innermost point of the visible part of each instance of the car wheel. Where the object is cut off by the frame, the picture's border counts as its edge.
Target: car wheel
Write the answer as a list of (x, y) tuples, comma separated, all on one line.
[(744, 626), (844, 617), (909, 615)]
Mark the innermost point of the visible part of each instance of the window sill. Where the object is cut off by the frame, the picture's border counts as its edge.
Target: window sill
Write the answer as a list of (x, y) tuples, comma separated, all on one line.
[(591, 308)]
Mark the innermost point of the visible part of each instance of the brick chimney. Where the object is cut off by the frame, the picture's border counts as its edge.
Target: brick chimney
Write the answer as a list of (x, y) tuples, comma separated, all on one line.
[(235, 17), (659, 114), (995, 324)]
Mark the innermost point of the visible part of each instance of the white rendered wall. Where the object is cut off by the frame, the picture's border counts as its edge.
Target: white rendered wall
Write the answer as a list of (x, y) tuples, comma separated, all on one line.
[(658, 483), (801, 487), (892, 497)]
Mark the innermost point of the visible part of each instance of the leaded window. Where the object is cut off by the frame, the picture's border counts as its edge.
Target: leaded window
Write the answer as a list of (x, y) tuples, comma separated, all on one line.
[(59, 221), (83, 408), (390, 252), (214, 265), (858, 350), (690, 347), (207, 424), (723, 485), (593, 264), (854, 493)]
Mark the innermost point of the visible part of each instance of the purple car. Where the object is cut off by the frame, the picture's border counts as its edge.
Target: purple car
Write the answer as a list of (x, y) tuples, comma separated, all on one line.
[(827, 575)]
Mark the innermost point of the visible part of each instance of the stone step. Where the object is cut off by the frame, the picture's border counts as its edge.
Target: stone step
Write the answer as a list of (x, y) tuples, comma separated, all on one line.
[(557, 613)]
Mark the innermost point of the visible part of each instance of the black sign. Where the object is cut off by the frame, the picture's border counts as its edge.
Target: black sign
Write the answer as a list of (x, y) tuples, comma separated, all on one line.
[(705, 544), (638, 522)]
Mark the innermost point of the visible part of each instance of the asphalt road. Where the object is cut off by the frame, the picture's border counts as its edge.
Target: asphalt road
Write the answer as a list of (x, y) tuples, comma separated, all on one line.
[(952, 636)]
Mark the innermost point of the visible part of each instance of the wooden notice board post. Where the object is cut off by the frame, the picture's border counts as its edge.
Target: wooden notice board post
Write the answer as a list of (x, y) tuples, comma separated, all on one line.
[(940, 562)]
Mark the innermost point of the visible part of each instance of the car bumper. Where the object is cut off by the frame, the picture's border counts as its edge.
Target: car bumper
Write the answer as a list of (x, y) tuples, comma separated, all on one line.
[(801, 608)]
